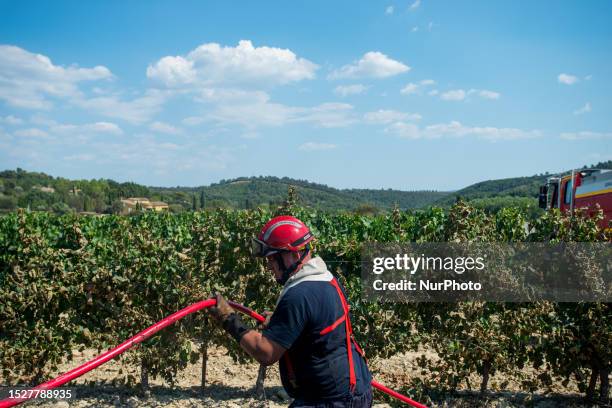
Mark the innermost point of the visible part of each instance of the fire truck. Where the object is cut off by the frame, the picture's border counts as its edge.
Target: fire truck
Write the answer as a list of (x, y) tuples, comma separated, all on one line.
[(579, 189)]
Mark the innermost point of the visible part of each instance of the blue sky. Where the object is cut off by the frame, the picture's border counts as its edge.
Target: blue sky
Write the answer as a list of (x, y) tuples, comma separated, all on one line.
[(378, 94)]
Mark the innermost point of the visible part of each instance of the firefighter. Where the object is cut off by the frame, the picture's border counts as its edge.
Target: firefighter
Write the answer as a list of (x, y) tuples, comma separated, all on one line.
[(309, 333)]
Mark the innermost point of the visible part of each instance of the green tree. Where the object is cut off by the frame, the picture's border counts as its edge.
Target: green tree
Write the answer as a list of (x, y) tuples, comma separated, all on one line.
[(7, 202)]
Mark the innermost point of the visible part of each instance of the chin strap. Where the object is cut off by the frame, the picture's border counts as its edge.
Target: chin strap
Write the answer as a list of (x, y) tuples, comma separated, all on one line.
[(288, 271)]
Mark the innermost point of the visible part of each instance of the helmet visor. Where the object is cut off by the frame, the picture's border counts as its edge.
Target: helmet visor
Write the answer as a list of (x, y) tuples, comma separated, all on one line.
[(260, 248)]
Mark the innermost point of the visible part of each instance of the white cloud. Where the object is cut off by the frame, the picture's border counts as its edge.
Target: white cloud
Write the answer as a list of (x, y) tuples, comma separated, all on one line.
[(211, 64), (11, 120), (456, 129), (192, 121), (486, 94), (104, 127), (100, 91), (405, 130), (433, 92), (383, 116), (588, 77), (567, 79), (137, 110), (173, 71), (166, 128), (389, 10), (409, 89), (585, 135), (63, 128), (231, 95), (79, 157), (41, 120), (250, 135), (327, 115), (251, 113), (414, 29), (415, 5), (454, 95), (30, 132), (585, 109), (373, 64), (460, 94), (412, 88), (259, 111), (97, 127), (345, 90), (430, 26), (31, 81), (252, 109), (312, 146), (169, 146), (142, 156)]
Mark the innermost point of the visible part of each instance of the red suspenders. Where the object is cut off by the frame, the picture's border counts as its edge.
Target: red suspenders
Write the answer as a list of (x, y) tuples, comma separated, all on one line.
[(349, 338), (349, 334)]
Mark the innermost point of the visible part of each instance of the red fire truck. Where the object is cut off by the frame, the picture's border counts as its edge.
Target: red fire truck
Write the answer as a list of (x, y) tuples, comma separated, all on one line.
[(580, 188)]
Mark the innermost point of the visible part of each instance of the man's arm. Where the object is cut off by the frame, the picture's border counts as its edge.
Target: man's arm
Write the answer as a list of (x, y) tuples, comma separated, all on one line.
[(262, 349)]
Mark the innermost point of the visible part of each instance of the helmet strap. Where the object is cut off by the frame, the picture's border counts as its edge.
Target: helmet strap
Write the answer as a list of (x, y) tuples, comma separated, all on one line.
[(286, 272)]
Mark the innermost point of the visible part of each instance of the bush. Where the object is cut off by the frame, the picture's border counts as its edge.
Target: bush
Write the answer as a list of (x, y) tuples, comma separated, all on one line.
[(93, 281)]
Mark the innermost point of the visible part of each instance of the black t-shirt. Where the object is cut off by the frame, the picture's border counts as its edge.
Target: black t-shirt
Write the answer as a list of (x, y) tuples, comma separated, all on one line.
[(320, 362)]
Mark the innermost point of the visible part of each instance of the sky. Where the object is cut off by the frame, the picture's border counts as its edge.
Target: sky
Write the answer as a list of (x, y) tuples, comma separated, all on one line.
[(409, 95)]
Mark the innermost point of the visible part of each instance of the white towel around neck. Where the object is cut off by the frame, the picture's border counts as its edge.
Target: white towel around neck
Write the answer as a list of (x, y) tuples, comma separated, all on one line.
[(314, 270)]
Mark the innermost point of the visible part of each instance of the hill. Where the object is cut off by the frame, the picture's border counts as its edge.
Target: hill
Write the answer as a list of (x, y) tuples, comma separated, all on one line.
[(39, 191), (517, 191), (249, 192)]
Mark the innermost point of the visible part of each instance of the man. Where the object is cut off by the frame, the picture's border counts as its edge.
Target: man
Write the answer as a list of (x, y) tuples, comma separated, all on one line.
[(309, 332)]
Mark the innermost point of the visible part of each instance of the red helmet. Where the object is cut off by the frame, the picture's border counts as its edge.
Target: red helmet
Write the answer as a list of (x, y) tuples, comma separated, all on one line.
[(284, 233)]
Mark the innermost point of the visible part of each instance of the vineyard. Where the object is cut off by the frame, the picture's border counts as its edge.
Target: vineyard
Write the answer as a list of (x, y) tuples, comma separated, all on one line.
[(74, 282)]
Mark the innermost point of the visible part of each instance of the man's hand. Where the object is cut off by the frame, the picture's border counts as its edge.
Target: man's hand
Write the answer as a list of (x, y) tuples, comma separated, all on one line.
[(222, 310), (268, 315), (228, 319)]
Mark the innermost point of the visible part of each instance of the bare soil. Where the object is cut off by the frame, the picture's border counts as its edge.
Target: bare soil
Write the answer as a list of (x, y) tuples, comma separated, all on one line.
[(232, 385)]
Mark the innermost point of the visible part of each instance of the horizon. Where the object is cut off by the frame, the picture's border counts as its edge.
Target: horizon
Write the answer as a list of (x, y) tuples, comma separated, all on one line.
[(405, 95), (221, 181), (224, 181)]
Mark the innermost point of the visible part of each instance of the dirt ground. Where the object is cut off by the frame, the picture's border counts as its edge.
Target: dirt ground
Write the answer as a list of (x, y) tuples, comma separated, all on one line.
[(231, 385)]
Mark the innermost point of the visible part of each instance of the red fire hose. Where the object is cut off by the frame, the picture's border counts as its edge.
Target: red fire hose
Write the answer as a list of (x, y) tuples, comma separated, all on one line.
[(148, 332)]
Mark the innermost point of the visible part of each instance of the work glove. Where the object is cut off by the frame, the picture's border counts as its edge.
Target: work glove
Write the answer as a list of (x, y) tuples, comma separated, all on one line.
[(230, 320), (263, 325), (222, 310)]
